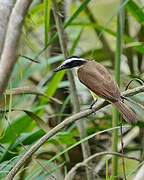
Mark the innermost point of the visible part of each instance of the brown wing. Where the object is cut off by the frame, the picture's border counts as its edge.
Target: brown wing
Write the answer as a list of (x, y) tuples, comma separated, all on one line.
[(96, 77)]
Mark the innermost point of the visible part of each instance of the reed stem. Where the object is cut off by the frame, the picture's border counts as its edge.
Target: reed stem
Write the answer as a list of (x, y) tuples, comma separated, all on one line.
[(116, 115)]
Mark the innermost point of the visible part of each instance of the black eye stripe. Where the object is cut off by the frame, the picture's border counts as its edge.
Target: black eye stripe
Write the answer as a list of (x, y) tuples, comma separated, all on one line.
[(72, 63)]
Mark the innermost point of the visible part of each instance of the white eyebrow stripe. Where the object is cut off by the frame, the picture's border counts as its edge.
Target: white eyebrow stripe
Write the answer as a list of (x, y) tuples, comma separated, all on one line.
[(72, 59), (67, 61)]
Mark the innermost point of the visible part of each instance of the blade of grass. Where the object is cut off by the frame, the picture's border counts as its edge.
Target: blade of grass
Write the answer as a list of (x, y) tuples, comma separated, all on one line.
[(47, 6), (76, 13), (73, 17), (40, 122), (102, 38), (52, 86), (136, 11), (115, 115), (66, 24), (83, 140), (76, 41)]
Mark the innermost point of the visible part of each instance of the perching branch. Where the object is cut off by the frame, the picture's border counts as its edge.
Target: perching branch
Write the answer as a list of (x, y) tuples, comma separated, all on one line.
[(60, 126), (70, 175), (9, 54)]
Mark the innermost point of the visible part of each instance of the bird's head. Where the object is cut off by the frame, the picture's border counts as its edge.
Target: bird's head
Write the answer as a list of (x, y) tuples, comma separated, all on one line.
[(71, 62)]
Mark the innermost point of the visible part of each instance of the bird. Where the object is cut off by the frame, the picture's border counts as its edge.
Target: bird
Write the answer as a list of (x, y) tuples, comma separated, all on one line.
[(97, 78)]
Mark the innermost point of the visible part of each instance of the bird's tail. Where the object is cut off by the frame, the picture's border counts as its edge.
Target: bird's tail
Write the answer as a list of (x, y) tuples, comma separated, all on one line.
[(128, 114)]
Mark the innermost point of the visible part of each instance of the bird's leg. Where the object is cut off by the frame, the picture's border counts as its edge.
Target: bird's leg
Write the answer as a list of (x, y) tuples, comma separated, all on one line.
[(123, 98), (92, 105)]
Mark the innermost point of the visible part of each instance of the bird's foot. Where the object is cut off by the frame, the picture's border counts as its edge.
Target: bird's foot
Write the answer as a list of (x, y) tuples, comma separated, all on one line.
[(123, 98), (92, 106)]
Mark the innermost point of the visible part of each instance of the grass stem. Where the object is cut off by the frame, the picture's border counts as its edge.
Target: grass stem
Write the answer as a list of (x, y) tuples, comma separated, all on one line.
[(115, 115)]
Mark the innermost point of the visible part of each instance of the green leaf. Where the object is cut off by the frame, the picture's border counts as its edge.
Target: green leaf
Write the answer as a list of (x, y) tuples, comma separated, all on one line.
[(76, 13), (37, 9), (81, 141), (76, 41), (6, 166), (53, 85), (21, 124), (66, 24), (65, 138), (135, 11), (24, 139), (47, 5), (40, 122), (28, 138)]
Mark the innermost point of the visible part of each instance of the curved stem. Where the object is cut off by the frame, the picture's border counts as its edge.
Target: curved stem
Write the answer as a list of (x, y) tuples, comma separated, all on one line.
[(59, 127)]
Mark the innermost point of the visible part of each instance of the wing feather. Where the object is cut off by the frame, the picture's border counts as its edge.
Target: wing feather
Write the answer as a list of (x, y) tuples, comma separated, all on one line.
[(96, 77)]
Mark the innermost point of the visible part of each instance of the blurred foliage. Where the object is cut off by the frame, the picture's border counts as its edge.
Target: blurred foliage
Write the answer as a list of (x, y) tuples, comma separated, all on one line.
[(90, 28)]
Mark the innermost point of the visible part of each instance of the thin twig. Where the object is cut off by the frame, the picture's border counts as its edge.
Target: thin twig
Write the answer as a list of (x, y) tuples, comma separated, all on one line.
[(70, 175), (122, 150), (60, 126), (30, 59), (24, 90), (30, 90)]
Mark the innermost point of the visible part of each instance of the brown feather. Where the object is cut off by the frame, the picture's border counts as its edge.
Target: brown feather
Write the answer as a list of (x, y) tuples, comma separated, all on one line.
[(97, 78), (127, 113)]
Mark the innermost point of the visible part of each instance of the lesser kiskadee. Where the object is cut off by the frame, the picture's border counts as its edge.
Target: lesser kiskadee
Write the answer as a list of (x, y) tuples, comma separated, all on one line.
[(97, 78)]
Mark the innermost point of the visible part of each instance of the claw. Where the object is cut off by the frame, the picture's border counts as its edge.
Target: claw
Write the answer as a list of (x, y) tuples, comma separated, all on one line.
[(92, 105)]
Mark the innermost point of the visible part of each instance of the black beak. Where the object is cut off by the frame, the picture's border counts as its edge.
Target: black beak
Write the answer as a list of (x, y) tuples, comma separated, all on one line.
[(59, 68)]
